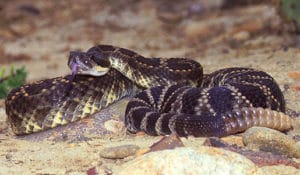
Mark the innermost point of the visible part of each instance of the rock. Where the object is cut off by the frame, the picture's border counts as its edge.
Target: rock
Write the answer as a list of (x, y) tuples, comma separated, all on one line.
[(276, 170), (296, 138), (294, 75), (3, 124), (119, 152), (241, 36), (259, 158), (201, 30), (22, 29), (206, 160), (114, 126), (3, 127), (167, 142), (234, 140), (265, 139), (250, 26), (296, 86)]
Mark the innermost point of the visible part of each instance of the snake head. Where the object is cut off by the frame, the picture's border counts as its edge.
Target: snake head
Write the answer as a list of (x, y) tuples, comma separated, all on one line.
[(88, 63)]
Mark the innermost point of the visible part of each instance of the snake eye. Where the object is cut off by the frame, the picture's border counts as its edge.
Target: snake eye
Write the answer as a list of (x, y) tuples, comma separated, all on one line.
[(101, 59)]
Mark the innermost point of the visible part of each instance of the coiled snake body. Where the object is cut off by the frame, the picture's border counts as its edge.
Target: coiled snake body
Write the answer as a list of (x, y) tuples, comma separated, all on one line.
[(176, 97)]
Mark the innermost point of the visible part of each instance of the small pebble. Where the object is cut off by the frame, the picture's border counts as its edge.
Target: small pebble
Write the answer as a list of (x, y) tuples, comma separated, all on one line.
[(250, 26), (269, 140), (114, 126), (3, 124), (2, 102), (167, 142), (241, 36), (3, 127), (31, 9), (119, 152), (294, 74), (234, 140), (8, 156), (200, 30), (296, 86), (22, 28), (92, 171), (296, 138)]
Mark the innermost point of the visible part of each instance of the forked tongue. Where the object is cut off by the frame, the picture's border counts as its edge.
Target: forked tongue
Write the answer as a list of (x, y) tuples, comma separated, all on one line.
[(74, 70)]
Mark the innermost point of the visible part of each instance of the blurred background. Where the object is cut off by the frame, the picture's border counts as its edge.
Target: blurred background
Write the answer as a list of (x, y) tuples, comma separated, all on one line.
[(36, 36), (39, 34)]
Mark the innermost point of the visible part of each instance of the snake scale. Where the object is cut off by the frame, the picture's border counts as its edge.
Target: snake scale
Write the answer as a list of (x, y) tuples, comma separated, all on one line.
[(170, 95)]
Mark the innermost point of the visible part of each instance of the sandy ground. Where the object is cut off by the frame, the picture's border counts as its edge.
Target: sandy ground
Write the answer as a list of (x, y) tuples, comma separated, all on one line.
[(44, 33)]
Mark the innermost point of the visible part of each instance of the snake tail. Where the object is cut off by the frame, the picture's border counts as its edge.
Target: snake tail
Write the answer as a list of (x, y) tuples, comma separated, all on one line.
[(240, 120), (185, 110)]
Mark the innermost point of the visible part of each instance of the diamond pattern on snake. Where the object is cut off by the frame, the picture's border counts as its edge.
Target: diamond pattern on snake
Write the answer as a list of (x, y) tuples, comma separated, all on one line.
[(169, 95)]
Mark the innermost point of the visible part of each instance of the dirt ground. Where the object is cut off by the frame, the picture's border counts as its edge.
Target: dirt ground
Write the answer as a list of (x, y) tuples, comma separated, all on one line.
[(39, 35)]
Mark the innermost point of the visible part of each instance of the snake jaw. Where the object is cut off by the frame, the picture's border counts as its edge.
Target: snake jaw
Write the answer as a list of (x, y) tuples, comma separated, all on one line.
[(94, 72)]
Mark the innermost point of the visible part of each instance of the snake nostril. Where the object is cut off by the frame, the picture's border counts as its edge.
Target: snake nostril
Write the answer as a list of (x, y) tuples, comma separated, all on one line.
[(74, 54), (72, 58)]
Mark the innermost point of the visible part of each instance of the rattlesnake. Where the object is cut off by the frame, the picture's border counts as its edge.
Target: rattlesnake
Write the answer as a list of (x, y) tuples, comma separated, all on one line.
[(170, 95)]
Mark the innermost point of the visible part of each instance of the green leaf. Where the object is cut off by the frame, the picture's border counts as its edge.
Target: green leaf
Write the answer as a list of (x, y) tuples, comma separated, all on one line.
[(15, 79), (2, 72), (291, 10)]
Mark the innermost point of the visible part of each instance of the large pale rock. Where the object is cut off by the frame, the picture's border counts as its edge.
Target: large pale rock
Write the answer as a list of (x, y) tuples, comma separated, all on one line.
[(206, 160)]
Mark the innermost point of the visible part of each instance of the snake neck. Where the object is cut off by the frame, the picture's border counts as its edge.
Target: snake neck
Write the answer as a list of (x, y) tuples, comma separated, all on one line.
[(150, 72)]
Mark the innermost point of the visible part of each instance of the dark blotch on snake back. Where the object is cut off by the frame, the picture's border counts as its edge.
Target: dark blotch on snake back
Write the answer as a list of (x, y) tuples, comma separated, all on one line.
[(178, 98)]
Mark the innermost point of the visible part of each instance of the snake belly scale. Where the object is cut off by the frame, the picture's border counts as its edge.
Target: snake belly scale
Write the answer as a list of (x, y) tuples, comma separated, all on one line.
[(170, 95)]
